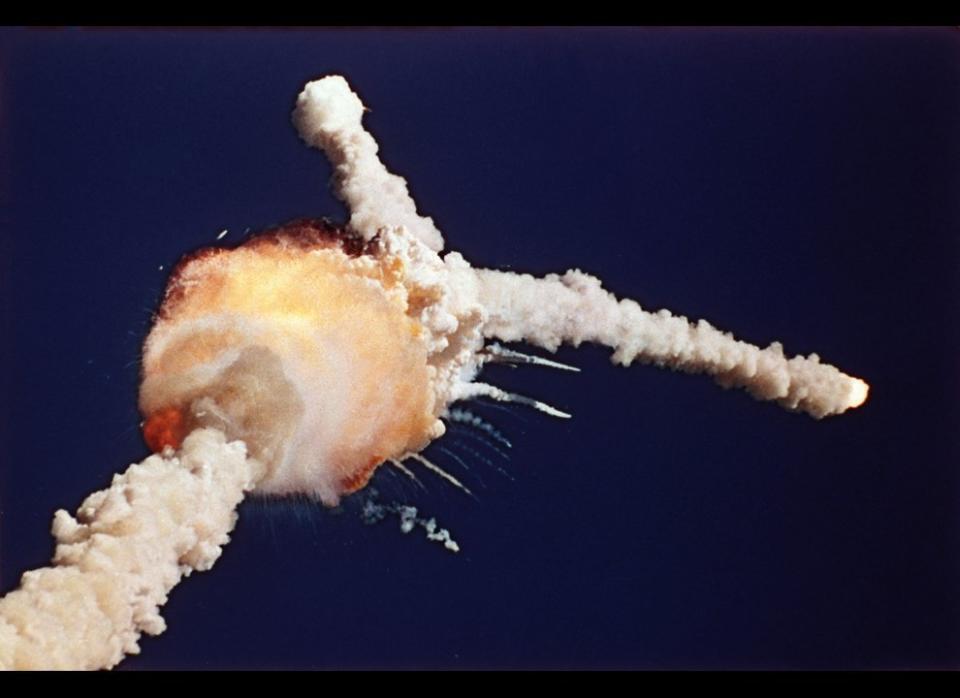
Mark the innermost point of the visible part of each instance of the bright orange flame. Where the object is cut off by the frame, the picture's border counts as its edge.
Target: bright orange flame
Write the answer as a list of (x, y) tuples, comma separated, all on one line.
[(164, 428)]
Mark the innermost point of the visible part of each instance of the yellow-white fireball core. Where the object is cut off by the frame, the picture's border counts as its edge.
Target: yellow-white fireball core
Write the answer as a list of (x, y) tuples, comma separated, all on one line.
[(299, 345)]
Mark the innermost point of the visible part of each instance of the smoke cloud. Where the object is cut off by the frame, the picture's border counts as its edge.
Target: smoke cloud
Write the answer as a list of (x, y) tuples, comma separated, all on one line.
[(118, 559)]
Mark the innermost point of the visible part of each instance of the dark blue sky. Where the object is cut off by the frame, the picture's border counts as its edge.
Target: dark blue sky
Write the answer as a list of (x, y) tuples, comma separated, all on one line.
[(794, 185)]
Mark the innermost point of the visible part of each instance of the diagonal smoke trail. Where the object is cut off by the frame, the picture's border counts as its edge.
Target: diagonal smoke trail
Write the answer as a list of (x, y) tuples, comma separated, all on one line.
[(574, 308), (116, 562), (327, 116)]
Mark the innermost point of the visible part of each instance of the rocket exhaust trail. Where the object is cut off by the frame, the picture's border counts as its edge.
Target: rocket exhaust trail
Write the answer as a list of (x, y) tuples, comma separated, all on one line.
[(117, 561), (574, 308)]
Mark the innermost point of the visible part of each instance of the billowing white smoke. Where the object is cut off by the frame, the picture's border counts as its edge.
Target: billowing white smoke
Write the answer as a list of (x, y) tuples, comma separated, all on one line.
[(128, 546), (574, 308), (571, 308), (327, 116)]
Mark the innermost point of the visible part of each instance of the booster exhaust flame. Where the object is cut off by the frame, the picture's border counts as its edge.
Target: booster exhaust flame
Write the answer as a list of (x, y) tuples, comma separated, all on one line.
[(302, 360)]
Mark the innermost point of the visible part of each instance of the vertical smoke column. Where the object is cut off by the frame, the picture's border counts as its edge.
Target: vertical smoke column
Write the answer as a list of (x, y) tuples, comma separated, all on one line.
[(119, 558)]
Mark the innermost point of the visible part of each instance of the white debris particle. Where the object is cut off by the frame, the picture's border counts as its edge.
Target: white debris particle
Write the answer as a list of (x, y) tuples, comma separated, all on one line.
[(374, 512)]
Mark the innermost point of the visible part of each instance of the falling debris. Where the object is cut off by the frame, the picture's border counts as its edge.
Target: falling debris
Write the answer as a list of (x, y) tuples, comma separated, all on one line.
[(498, 354), (462, 416), (374, 512)]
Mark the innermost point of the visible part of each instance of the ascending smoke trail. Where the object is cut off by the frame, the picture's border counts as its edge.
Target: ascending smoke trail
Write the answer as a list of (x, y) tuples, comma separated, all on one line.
[(574, 308), (571, 308), (117, 561), (328, 116)]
